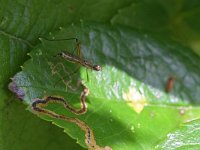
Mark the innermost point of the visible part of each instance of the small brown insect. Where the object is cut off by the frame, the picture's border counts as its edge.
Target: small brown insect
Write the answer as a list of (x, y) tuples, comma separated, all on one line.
[(170, 84)]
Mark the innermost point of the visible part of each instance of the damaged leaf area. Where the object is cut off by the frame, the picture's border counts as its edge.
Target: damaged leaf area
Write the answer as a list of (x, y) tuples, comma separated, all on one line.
[(128, 106), (135, 99)]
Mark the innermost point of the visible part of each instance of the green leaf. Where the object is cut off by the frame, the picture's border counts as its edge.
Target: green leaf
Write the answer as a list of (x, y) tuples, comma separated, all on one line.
[(136, 67), (21, 23), (183, 138), (177, 19), (20, 130)]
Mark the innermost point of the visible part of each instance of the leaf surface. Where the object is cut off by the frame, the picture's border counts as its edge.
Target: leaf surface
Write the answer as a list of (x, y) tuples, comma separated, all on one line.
[(136, 67), (183, 138), (21, 23), (177, 19)]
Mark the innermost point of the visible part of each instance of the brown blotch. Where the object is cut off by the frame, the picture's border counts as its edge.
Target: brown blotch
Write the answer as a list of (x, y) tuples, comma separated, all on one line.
[(170, 84)]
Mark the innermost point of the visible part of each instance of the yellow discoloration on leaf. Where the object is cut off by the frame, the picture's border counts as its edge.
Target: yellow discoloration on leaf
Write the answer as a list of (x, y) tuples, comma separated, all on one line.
[(135, 99)]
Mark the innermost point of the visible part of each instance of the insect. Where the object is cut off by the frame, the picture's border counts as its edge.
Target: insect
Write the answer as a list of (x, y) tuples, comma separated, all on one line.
[(170, 84), (76, 58)]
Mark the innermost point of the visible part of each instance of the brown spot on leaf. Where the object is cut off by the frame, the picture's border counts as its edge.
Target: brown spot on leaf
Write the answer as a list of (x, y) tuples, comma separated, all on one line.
[(170, 84)]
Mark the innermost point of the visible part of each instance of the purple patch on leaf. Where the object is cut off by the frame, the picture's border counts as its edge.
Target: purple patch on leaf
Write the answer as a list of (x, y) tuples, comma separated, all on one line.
[(15, 89)]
